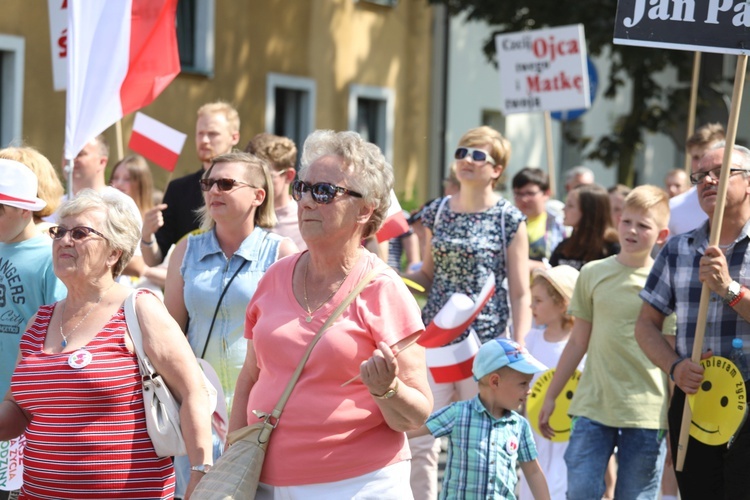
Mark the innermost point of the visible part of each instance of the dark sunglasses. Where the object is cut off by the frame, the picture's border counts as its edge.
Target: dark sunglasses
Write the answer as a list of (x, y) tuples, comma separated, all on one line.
[(476, 154), (322, 192), (76, 233), (222, 184)]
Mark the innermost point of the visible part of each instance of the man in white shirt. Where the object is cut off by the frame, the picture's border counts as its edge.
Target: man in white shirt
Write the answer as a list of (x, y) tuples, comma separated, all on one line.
[(88, 173)]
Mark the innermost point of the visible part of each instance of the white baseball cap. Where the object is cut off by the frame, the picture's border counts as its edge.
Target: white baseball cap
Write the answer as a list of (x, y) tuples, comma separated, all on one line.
[(18, 186)]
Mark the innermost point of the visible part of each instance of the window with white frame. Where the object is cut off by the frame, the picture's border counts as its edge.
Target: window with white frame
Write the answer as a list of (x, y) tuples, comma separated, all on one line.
[(195, 35), (11, 88), (290, 107), (371, 114)]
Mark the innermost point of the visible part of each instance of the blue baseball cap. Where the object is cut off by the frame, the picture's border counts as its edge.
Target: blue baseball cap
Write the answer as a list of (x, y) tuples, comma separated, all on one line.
[(498, 353)]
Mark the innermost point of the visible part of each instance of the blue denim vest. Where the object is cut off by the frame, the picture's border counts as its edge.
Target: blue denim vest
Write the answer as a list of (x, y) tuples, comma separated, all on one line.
[(206, 271)]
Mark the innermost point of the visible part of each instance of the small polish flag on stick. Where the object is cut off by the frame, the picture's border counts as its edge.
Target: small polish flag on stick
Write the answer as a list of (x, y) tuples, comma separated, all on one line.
[(395, 222), (453, 362), (450, 363), (157, 142), (455, 316)]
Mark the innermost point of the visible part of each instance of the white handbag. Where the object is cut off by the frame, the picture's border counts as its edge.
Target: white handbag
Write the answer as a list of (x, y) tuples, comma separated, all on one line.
[(162, 410)]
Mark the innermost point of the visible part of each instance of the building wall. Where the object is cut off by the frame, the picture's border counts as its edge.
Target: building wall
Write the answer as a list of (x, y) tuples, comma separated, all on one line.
[(336, 43)]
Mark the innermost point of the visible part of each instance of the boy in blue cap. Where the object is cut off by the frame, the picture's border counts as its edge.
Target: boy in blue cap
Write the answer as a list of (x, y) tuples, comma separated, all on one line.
[(487, 435)]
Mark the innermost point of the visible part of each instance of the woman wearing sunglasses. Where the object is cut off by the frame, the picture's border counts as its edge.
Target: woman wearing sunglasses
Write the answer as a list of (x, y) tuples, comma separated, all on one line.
[(335, 441), (213, 273), (76, 391), (468, 236)]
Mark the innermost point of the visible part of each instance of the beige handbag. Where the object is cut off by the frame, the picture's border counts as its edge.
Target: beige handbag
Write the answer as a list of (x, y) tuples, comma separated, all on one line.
[(237, 473)]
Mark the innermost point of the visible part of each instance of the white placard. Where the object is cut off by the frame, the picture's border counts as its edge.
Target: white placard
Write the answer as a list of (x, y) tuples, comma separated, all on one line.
[(58, 35), (11, 464), (543, 70)]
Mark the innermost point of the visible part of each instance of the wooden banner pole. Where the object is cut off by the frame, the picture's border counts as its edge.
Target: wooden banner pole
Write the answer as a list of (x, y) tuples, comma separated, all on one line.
[(550, 154), (713, 240), (693, 106), (120, 149)]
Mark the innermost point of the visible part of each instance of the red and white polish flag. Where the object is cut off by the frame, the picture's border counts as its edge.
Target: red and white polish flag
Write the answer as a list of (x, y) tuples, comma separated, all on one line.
[(450, 363), (395, 221), (156, 141), (453, 362), (121, 55)]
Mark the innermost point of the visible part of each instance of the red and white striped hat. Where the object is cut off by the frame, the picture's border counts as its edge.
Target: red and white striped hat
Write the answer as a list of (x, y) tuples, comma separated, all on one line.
[(18, 186)]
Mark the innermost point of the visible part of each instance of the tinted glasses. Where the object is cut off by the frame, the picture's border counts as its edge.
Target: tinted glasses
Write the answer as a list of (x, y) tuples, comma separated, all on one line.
[(477, 155), (322, 192), (77, 233), (222, 184)]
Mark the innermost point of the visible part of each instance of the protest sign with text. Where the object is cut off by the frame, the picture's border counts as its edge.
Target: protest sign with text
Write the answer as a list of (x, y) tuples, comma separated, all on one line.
[(543, 70), (58, 37), (719, 26)]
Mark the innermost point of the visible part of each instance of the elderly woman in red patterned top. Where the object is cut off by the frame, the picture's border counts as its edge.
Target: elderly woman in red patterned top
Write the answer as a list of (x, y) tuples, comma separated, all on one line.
[(76, 391)]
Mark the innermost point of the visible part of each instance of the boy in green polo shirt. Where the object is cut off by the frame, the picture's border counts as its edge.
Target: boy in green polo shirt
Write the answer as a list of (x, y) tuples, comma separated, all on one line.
[(621, 398)]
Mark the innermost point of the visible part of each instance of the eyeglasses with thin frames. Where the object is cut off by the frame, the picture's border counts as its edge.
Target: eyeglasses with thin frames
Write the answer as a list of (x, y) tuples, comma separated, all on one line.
[(713, 174), (222, 184), (477, 155), (526, 194), (322, 193), (77, 233)]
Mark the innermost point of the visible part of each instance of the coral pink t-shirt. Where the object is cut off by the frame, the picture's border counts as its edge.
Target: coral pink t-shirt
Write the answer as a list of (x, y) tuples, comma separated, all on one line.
[(326, 432)]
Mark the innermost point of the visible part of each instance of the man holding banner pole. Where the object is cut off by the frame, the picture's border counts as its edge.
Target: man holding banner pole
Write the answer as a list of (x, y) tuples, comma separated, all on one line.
[(685, 264)]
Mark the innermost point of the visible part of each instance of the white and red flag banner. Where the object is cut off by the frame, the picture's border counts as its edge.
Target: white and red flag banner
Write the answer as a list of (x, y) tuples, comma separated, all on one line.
[(455, 316), (121, 55), (395, 221), (453, 362), (156, 141)]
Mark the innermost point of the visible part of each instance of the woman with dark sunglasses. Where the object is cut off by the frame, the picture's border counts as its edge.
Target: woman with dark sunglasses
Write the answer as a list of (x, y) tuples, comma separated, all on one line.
[(335, 441), (214, 272), (468, 236)]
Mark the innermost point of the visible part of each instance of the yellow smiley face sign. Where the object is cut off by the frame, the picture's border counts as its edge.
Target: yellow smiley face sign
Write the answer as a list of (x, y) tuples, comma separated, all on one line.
[(720, 405), (559, 421)]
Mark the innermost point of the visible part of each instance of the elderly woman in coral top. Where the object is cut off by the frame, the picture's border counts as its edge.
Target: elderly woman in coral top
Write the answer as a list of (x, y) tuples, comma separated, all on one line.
[(334, 441)]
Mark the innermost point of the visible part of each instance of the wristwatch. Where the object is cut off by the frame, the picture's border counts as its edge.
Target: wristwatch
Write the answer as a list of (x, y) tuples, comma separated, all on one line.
[(203, 469), (389, 393), (733, 292)]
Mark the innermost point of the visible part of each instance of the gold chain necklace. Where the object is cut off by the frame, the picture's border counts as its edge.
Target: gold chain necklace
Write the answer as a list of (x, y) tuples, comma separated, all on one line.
[(310, 313), (64, 342)]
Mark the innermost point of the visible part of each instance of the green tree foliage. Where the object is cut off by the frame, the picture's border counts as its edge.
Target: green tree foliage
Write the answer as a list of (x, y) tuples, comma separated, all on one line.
[(652, 104)]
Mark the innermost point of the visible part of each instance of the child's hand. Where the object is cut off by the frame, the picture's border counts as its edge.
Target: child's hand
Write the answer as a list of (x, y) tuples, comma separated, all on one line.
[(544, 414)]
